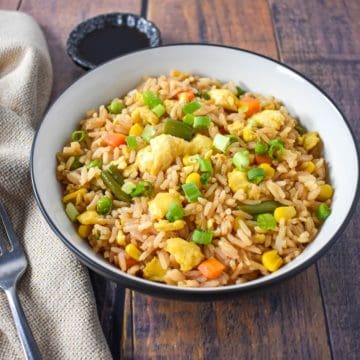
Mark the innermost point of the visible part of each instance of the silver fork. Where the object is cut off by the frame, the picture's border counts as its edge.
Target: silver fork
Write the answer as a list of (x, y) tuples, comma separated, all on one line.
[(13, 264)]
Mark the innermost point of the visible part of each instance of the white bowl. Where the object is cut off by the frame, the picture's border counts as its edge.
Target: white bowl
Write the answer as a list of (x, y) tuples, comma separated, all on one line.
[(253, 71)]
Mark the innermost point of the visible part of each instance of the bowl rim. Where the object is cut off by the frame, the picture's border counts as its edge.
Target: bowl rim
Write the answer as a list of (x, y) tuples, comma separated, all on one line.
[(80, 31), (155, 288)]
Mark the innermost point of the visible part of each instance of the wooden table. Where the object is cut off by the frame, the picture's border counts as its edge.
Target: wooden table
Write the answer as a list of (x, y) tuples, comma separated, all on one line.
[(315, 315)]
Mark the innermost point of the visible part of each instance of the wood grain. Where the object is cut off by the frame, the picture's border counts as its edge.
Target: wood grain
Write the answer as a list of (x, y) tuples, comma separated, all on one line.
[(9, 4), (328, 51), (266, 324), (58, 18)]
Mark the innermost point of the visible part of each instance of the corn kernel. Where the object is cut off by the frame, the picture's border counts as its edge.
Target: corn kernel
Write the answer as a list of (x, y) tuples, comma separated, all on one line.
[(269, 107), (271, 260), (210, 224), (326, 192), (310, 140), (269, 171), (248, 134), (194, 178), (136, 130), (175, 73), (138, 96), (164, 225), (208, 154), (284, 212), (237, 222), (84, 231), (74, 195), (120, 238), (89, 217), (308, 166), (260, 238), (133, 251)]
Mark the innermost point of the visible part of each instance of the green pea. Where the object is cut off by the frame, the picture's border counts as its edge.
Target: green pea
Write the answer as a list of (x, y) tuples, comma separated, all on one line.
[(104, 205), (116, 106)]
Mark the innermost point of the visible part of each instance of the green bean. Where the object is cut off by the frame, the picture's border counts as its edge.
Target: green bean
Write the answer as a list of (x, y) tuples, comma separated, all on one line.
[(261, 208), (114, 186), (116, 174)]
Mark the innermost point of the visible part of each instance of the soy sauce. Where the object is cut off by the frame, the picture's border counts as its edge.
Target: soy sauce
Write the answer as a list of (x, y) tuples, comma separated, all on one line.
[(109, 42)]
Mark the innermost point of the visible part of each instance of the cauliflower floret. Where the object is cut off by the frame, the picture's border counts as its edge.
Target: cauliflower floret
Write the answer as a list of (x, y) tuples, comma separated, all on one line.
[(161, 153), (224, 98), (267, 118), (186, 253)]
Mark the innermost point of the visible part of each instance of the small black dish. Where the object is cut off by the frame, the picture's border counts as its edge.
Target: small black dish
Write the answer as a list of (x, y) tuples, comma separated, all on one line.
[(108, 36)]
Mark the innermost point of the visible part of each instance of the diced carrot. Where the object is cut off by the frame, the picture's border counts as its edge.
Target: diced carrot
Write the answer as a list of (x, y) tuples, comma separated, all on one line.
[(130, 262), (115, 139), (252, 106), (211, 268), (261, 159), (189, 95)]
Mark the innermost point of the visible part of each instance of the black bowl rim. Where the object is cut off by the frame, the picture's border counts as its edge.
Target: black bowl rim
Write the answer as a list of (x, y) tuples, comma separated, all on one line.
[(213, 293), (79, 32)]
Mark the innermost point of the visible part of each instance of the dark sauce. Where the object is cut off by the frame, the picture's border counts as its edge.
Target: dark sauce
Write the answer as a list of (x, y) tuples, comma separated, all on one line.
[(109, 42)]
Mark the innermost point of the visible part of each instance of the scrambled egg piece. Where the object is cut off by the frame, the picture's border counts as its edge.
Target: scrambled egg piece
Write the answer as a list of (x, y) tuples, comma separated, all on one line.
[(153, 270), (145, 115), (237, 180), (224, 98), (164, 225), (236, 127), (267, 118), (158, 207), (186, 253), (200, 144), (161, 153)]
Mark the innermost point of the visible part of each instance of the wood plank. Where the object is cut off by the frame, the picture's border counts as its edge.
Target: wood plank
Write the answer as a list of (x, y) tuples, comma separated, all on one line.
[(9, 4), (330, 35), (58, 18), (269, 323)]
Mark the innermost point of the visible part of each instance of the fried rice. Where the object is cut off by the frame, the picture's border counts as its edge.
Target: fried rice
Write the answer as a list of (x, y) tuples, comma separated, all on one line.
[(193, 182)]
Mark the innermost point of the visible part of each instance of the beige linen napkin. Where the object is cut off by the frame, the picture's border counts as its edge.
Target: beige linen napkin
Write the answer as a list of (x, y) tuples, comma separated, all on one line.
[(55, 291)]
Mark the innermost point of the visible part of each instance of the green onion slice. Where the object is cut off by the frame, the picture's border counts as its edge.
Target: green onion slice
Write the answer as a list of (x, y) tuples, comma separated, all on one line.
[(266, 221), (158, 110), (189, 119), (128, 187), (143, 188), (78, 135), (94, 163), (191, 191), (175, 212), (256, 175), (131, 142), (239, 91), (71, 211), (202, 237), (148, 133), (178, 129), (241, 160), (221, 142), (151, 99), (76, 164), (201, 122), (276, 148), (205, 177), (204, 95), (191, 107), (261, 148), (205, 165)]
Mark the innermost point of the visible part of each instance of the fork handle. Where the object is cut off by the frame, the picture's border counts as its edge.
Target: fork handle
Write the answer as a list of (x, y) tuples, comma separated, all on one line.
[(27, 340)]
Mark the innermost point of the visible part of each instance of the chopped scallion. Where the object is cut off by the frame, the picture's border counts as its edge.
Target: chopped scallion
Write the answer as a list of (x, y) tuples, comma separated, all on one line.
[(71, 211), (201, 122), (175, 212), (276, 148), (178, 129), (78, 135), (76, 164), (191, 191), (241, 160), (158, 110), (128, 187), (189, 119), (221, 142), (131, 142), (256, 175), (94, 163), (202, 237), (205, 165), (205, 177), (143, 188), (191, 107), (148, 133), (151, 99), (261, 148)]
